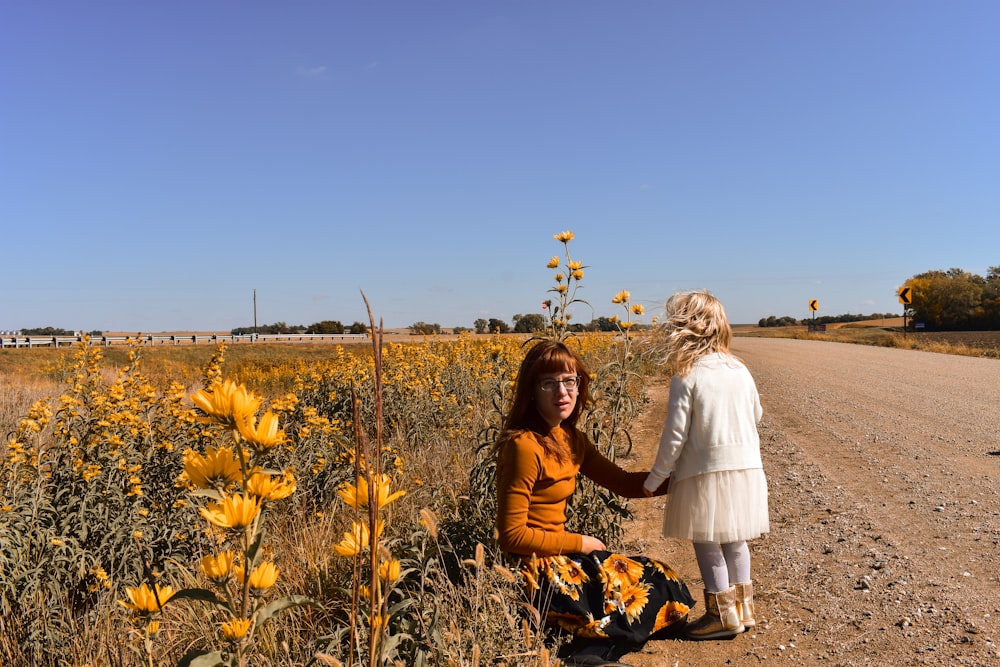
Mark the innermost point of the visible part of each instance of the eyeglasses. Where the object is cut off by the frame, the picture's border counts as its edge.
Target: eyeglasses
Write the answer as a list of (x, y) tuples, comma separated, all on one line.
[(550, 384)]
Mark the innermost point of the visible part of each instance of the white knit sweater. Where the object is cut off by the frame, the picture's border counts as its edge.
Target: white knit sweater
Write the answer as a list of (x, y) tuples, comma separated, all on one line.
[(711, 422)]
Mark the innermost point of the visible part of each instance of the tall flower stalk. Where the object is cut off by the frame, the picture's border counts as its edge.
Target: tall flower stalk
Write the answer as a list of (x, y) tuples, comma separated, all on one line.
[(568, 274), (234, 481), (369, 496)]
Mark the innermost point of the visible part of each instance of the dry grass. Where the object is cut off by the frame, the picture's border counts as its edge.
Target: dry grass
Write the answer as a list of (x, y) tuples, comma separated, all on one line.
[(889, 333)]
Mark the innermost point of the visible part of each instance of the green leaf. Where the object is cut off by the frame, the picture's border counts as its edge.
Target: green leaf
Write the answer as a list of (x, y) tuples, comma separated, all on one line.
[(266, 612), (202, 594), (199, 658)]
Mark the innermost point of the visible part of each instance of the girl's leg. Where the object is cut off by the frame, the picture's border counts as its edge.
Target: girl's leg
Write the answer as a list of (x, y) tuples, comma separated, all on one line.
[(713, 567), (737, 555), (722, 618)]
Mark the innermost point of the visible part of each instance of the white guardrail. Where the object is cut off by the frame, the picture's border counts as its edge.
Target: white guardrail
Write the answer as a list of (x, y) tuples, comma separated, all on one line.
[(178, 339)]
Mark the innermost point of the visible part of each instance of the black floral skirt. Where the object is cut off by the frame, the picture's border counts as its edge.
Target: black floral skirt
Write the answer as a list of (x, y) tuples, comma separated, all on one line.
[(626, 599)]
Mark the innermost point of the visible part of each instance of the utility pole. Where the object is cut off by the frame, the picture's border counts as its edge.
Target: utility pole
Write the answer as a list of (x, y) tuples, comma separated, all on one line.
[(255, 312)]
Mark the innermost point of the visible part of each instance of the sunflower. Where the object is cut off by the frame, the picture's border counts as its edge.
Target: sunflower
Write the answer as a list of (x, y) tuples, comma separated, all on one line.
[(619, 571), (634, 599), (235, 511), (226, 403), (263, 434), (357, 496), (358, 539), (218, 466), (144, 600), (236, 629), (219, 567), (269, 487)]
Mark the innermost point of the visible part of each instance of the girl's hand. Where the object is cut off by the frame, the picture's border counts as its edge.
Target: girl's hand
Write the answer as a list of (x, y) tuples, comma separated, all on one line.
[(592, 544), (647, 492)]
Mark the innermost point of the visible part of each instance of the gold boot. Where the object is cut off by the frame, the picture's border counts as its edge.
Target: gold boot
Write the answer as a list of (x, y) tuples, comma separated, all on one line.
[(721, 619), (744, 603)]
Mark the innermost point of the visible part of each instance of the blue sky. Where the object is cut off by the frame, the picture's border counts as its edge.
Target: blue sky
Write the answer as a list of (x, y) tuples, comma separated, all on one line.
[(160, 161)]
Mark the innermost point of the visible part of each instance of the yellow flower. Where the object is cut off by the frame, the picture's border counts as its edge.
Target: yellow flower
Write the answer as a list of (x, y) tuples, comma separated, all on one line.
[(627, 325), (388, 570), (263, 434), (267, 487), (146, 600), (619, 571), (621, 297), (263, 576), (235, 511), (218, 568), (357, 540), (577, 275), (561, 288), (574, 265), (638, 309), (634, 598), (564, 237), (217, 466), (553, 263), (357, 496), (236, 629), (226, 402)]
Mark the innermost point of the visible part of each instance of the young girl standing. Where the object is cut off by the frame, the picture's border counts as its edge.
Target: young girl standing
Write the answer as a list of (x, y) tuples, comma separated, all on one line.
[(710, 450)]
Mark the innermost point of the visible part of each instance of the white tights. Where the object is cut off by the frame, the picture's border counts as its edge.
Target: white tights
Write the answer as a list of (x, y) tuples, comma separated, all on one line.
[(722, 565)]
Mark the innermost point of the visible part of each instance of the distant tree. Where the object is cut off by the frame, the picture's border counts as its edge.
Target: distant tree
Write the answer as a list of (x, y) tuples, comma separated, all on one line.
[(991, 299), (325, 327), (950, 300), (602, 324), (497, 326), (772, 321), (46, 331), (531, 323), (276, 328), (460, 330), (418, 328), (358, 328), (482, 326)]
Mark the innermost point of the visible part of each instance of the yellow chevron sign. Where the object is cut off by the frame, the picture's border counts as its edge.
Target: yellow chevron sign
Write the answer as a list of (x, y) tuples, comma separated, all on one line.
[(905, 295), (813, 305)]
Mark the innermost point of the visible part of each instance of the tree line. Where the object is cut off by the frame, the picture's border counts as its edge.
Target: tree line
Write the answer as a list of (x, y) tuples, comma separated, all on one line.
[(324, 327), (787, 321), (952, 300), (956, 300)]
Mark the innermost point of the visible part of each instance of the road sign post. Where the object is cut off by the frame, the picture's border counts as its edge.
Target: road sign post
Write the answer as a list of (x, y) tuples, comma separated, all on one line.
[(905, 295), (813, 306)]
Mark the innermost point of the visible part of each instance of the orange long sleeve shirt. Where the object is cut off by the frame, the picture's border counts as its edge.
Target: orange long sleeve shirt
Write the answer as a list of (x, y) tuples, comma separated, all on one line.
[(533, 489)]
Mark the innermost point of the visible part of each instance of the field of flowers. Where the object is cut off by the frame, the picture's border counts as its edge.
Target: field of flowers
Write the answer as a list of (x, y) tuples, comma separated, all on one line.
[(330, 509)]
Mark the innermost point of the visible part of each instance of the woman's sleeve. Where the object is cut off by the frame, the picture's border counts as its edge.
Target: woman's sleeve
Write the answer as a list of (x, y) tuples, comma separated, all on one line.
[(675, 433), (608, 474), (518, 469)]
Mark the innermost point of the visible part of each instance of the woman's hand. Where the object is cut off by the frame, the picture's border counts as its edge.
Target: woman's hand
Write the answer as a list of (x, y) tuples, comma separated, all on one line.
[(592, 544)]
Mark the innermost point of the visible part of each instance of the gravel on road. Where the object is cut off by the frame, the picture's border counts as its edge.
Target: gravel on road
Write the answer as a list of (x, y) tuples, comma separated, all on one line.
[(885, 515)]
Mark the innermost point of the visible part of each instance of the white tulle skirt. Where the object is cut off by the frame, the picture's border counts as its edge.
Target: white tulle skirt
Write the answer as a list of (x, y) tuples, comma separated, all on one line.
[(720, 507)]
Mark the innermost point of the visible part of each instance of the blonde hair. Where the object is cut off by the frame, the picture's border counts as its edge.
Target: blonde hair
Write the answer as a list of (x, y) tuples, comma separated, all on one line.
[(694, 324)]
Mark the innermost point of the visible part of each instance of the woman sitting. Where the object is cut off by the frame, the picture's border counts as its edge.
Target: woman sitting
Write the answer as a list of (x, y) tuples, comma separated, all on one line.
[(611, 603)]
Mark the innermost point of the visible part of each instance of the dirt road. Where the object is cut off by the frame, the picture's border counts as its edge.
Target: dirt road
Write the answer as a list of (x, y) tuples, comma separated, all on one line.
[(885, 515)]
